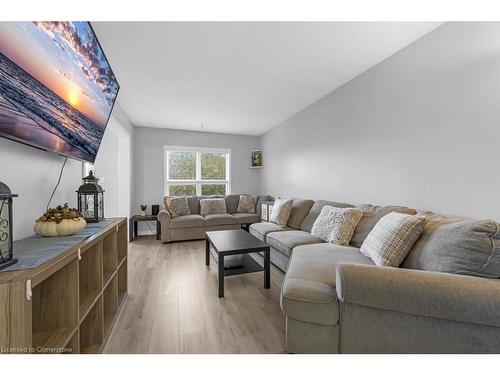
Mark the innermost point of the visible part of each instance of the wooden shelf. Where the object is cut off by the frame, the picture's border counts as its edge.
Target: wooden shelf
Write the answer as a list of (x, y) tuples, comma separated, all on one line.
[(91, 334), (122, 242), (73, 346), (76, 296), (110, 298), (122, 282), (110, 255), (53, 340), (87, 301), (91, 275), (55, 309)]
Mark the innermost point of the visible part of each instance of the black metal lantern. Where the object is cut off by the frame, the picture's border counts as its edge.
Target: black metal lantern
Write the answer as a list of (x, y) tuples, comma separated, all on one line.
[(91, 199), (6, 253)]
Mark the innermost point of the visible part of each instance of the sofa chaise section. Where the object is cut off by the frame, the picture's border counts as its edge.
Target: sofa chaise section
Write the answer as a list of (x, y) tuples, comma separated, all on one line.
[(309, 296)]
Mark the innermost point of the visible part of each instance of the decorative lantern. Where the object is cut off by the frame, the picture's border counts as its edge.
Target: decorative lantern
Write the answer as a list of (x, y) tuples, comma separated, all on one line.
[(91, 199), (6, 254)]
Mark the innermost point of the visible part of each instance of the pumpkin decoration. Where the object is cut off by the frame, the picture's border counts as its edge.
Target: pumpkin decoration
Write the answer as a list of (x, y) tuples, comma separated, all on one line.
[(59, 222)]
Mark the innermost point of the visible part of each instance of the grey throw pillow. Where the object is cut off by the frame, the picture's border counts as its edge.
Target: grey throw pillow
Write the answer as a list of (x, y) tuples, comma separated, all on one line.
[(281, 211), (392, 238), (336, 225), (300, 209), (209, 206), (457, 246), (177, 206), (246, 205)]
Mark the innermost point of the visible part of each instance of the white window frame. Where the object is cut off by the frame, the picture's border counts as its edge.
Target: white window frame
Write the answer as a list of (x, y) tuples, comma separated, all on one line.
[(198, 182)]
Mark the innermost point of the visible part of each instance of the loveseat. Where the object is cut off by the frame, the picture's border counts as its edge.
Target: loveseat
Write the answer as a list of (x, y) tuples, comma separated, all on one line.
[(336, 300), (194, 225)]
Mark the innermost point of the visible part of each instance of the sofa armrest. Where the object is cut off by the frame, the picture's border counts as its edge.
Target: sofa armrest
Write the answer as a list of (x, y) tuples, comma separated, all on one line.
[(431, 294), (164, 215), (164, 219)]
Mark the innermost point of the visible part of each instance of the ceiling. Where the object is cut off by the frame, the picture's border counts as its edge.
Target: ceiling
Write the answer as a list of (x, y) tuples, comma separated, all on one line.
[(240, 77)]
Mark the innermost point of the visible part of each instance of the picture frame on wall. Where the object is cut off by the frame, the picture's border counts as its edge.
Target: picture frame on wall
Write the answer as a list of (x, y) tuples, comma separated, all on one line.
[(256, 159)]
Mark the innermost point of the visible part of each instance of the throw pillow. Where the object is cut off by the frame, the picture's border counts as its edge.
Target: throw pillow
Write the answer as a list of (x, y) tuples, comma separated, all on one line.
[(336, 225), (300, 209), (209, 206), (371, 215), (246, 205), (392, 238), (281, 211), (177, 206)]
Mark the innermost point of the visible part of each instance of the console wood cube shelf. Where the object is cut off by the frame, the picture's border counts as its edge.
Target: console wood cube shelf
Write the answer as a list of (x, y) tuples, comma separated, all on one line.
[(69, 302)]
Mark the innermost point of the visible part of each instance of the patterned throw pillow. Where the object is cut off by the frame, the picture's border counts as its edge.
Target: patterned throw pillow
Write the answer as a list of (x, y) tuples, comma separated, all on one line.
[(336, 225), (246, 205), (281, 211), (209, 206), (177, 206), (392, 238)]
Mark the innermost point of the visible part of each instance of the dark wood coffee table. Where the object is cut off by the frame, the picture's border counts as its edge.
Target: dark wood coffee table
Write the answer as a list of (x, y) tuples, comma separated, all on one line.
[(231, 248)]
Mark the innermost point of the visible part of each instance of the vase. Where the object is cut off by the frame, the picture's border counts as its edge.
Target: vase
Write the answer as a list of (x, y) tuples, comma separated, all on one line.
[(143, 213)]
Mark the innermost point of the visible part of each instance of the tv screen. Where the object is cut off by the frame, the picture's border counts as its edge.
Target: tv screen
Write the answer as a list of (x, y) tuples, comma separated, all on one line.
[(57, 89)]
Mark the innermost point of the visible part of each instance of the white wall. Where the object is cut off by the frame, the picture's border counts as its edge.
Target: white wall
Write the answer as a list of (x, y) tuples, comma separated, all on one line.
[(113, 167), (422, 129), (148, 145), (32, 174)]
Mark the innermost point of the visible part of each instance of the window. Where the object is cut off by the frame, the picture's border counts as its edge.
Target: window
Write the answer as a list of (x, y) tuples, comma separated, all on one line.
[(197, 171)]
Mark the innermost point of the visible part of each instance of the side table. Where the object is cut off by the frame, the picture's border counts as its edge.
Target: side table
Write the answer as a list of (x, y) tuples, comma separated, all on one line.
[(132, 226)]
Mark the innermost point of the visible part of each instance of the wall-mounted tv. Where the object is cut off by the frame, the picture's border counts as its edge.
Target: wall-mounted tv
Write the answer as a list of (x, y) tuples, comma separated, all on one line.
[(57, 89)]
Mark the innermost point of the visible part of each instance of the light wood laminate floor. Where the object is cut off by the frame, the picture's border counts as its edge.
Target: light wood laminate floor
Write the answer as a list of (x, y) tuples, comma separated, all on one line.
[(173, 307)]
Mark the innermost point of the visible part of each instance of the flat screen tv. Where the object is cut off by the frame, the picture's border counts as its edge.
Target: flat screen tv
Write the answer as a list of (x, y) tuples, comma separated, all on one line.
[(57, 89)]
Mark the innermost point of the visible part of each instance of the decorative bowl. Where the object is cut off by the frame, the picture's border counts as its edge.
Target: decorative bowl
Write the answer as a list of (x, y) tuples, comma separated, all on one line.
[(60, 222)]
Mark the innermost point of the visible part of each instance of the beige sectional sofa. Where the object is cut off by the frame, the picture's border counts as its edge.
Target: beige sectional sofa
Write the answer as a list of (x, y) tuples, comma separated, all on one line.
[(444, 298), (194, 226)]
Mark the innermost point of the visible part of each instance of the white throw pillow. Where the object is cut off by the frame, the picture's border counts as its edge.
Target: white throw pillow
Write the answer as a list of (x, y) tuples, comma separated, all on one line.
[(336, 225), (281, 211), (392, 238)]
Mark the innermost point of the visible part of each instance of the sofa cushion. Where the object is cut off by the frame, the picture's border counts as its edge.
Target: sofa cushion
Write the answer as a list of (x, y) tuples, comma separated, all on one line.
[(243, 218), (246, 204), (300, 209), (457, 246), (391, 240), (281, 211), (187, 221), (177, 206), (220, 219), (285, 241), (261, 230), (210, 206), (311, 217), (371, 215), (232, 201), (308, 293)]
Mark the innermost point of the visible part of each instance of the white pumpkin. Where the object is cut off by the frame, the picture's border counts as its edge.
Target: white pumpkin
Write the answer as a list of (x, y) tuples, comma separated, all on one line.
[(67, 227)]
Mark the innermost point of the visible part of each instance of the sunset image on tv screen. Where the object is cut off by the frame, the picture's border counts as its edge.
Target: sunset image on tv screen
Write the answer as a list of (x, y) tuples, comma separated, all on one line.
[(57, 89)]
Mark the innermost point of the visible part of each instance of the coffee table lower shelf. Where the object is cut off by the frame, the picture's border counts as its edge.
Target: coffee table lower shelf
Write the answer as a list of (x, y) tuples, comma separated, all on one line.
[(239, 264)]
